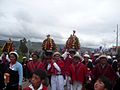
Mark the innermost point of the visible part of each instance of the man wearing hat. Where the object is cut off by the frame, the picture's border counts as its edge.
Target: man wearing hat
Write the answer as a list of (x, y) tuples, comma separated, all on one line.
[(95, 58), (34, 64), (89, 66), (48, 47), (77, 72), (87, 62), (55, 68), (105, 69), (72, 45), (68, 59)]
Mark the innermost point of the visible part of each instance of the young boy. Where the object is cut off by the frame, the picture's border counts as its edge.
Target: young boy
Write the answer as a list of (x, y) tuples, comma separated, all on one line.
[(103, 83), (37, 81)]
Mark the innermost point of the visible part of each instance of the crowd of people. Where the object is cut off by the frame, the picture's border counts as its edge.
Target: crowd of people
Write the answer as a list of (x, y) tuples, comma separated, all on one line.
[(55, 70), (67, 71)]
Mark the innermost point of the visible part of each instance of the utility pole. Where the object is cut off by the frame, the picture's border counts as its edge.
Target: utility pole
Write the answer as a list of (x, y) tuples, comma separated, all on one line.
[(117, 36), (117, 40)]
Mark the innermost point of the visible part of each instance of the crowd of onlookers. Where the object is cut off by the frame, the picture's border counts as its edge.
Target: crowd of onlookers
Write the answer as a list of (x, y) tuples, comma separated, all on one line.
[(69, 70)]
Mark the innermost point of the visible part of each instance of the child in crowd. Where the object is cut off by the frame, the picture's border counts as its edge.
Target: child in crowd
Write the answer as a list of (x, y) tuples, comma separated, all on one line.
[(37, 81), (103, 83)]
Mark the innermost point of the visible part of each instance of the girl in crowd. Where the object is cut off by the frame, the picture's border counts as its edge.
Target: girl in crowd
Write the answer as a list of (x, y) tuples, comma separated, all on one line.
[(14, 74)]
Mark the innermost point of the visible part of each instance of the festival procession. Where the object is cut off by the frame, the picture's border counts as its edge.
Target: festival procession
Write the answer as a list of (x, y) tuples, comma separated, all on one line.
[(58, 69)]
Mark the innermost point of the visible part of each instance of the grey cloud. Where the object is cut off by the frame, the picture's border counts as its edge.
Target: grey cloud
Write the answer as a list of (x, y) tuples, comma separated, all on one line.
[(35, 19)]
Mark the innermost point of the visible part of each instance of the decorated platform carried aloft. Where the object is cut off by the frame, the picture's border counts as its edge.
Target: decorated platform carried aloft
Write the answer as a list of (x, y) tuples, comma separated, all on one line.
[(8, 46), (48, 44), (73, 42)]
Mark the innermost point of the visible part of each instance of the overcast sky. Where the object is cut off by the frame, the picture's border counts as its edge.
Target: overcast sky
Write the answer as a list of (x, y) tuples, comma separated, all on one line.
[(94, 20)]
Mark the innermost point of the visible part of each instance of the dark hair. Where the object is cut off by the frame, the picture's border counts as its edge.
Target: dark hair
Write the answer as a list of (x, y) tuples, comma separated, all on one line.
[(35, 53), (106, 81), (48, 53), (14, 55), (41, 73), (72, 52)]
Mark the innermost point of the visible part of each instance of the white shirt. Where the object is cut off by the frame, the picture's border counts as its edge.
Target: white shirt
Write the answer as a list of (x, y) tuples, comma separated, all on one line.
[(40, 88)]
